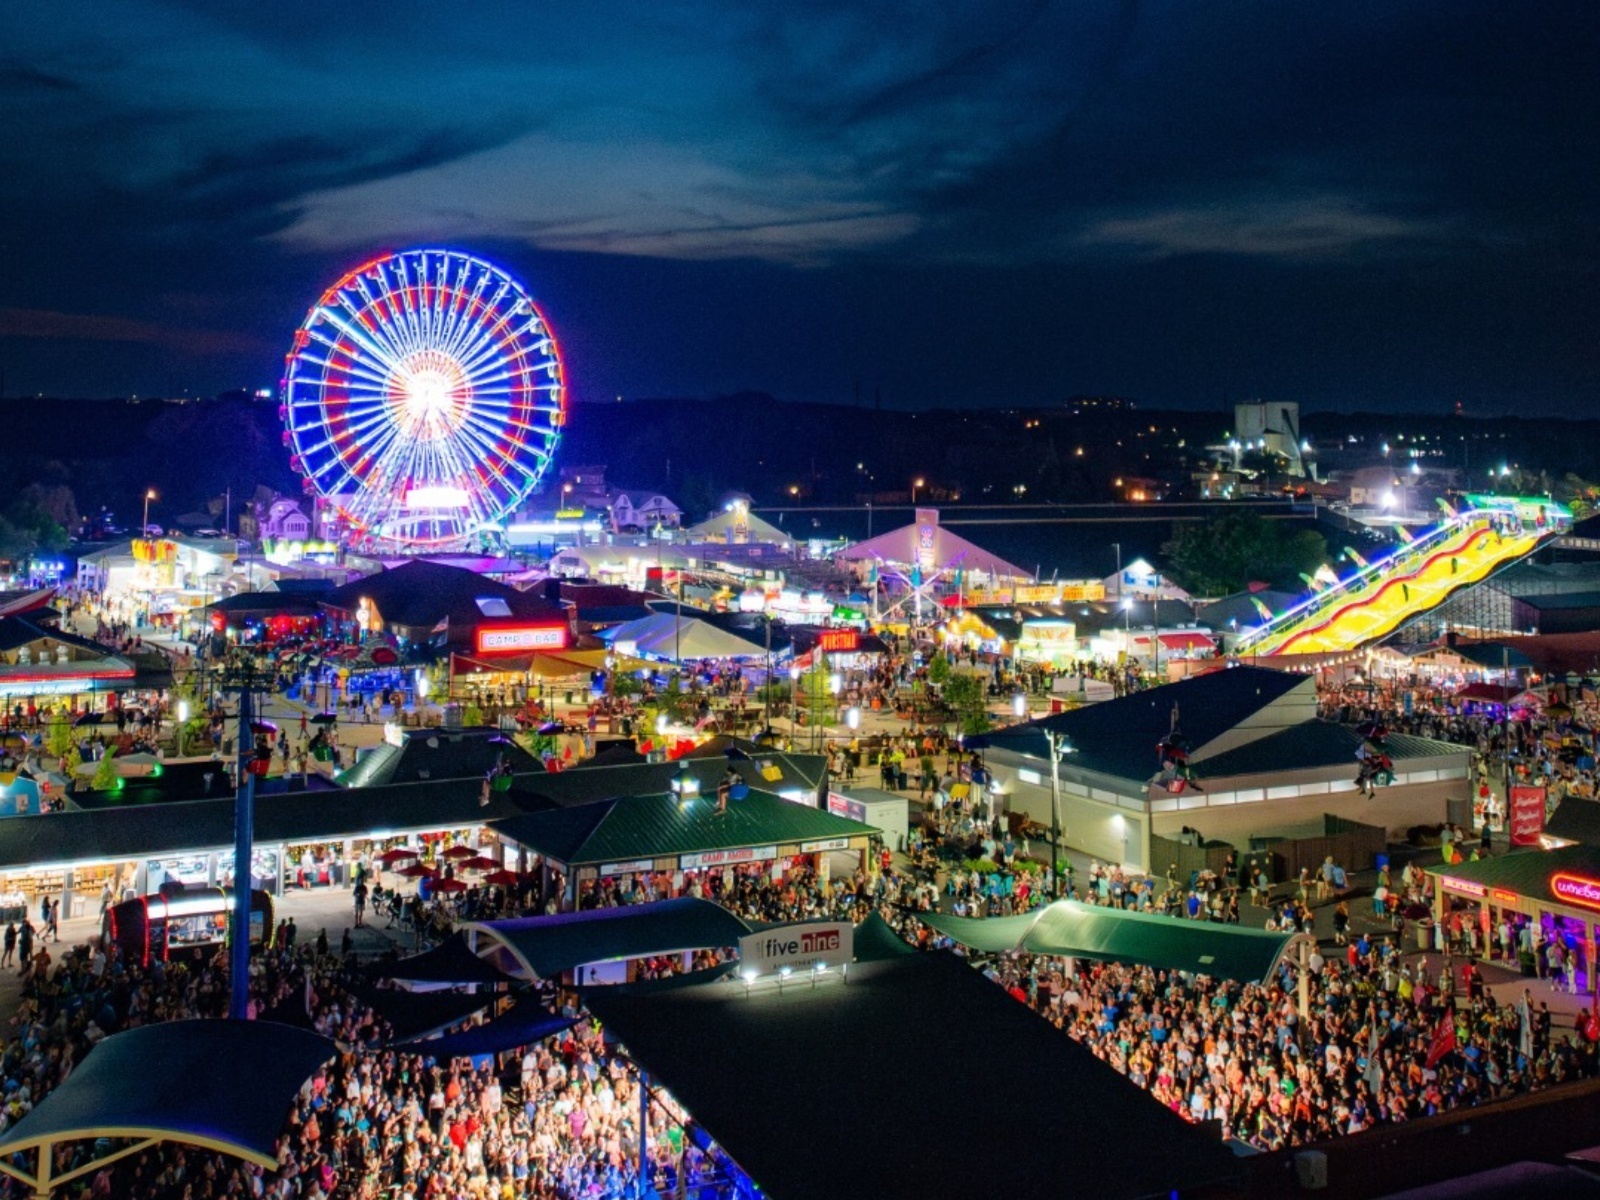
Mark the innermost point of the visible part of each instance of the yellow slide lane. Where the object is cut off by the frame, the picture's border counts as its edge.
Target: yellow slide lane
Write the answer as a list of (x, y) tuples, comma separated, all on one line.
[(1411, 586)]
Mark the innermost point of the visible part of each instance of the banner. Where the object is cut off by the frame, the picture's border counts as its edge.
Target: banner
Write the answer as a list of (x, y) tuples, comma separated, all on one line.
[(1527, 814), (1443, 1040)]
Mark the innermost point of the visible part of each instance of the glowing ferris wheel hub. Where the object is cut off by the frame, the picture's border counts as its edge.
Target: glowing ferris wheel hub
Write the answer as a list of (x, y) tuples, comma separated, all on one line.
[(424, 397)]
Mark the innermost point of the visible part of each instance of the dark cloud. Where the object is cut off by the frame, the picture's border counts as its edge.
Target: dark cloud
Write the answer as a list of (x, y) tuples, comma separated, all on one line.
[(957, 202)]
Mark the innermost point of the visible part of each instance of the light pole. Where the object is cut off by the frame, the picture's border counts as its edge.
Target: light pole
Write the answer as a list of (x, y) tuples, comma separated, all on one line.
[(1059, 749), (246, 681), (915, 484), (149, 495)]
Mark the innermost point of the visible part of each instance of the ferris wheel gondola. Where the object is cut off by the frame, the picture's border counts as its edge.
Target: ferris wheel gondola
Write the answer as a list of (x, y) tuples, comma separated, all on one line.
[(423, 398)]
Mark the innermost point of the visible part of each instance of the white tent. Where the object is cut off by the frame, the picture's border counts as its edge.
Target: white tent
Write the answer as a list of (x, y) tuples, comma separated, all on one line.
[(729, 526), (927, 544), (664, 635)]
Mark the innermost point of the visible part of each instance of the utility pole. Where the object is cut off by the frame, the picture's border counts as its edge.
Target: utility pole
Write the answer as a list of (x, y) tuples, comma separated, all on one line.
[(246, 681), (1058, 749)]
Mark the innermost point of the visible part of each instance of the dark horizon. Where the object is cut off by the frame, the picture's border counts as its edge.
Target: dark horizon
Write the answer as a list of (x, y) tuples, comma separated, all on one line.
[(1360, 209)]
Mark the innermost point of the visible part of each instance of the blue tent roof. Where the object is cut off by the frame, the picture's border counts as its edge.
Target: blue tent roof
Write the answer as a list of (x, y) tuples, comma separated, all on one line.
[(546, 946), (223, 1085), (525, 1022)]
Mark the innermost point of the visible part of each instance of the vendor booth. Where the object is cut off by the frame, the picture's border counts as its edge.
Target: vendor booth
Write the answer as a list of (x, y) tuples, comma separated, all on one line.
[(1556, 891)]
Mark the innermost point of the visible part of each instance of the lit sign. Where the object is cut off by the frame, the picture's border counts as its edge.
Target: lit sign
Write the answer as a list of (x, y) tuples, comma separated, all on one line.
[(829, 844), (841, 805), (723, 858), (827, 944), (522, 638), (436, 496), (1461, 885), (1501, 896), (1575, 889), (838, 641), (636, 867)]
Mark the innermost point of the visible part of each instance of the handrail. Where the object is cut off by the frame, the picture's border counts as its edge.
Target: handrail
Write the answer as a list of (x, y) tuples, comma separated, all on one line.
[(1314, 604)]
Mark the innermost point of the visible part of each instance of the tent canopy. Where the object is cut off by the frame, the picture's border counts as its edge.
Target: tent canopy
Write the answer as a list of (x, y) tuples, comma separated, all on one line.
[(451, 961), (735, 1057), (951, 552), (544, 947), (667, 635), (1072, 929), (221, 1085), (525, 1022)]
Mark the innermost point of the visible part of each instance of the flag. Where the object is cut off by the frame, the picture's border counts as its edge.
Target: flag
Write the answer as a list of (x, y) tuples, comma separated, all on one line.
[(1355, 556), (1316, 585), (1443, 1041), (1262, 609), (1405, 534)]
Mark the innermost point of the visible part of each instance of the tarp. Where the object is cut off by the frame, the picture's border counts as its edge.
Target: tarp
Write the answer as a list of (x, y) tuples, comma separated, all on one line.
[(666, 634), (899, 1032), (1072, 929), (525, 1022), (223, 1085), (544, 947), (451, 961)]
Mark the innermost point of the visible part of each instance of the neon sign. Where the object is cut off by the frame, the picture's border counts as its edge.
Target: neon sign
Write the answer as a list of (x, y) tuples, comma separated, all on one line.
[(520, 639), (838, 641), (1501, 896), (1461, 885), (1575, 889)]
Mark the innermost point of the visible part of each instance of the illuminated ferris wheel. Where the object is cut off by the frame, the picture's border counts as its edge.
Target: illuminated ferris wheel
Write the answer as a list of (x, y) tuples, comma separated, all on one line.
[(423, 397)]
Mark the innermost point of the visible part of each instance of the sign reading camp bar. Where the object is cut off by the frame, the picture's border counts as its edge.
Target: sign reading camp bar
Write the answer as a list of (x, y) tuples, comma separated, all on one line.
[(724, 858), (797, 947)]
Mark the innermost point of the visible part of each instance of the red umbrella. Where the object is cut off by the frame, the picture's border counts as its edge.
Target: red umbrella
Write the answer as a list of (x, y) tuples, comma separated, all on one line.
[(417, 871), (448, 887), (477, 863), (459, 852), (398, 855), (502, 879)]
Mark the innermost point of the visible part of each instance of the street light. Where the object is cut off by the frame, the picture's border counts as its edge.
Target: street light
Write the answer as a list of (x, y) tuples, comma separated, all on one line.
[(183, 719), (852, 717), (149, 495), (1059, 749), (915, 484)]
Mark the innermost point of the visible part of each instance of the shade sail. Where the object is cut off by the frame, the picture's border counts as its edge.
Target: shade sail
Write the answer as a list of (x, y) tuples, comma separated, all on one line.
[(449, 962), (414, 1014), (525, 1022), (1072, 929), (544, 947), (875, 1055), (223, 1085)]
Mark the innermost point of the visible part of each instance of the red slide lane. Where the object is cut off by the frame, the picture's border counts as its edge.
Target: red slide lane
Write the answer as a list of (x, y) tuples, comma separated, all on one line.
[(1470, 544)]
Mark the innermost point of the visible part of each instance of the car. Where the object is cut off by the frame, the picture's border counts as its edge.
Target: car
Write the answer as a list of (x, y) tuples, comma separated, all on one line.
[(208, 533), (153, 531)]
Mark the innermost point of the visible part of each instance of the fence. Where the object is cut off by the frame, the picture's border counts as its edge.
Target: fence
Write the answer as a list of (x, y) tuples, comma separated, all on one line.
[(1350, 844), (1190, 855)]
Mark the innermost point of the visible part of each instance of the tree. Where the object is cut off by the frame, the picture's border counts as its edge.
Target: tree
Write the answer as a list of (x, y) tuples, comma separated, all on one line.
[(939, 669), (106, 775), (1225, 553), (964, 694), (58, 737)]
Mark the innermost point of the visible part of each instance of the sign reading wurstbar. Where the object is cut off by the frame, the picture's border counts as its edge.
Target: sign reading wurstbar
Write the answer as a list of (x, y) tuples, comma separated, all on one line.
[(797, 948)]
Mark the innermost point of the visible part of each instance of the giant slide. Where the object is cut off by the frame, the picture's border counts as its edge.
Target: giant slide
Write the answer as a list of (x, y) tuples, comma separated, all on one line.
[(1375, 601)]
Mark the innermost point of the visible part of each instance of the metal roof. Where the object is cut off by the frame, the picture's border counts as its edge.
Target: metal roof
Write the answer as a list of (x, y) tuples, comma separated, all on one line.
[(634, 828), (1528, 872), (1576, 819), (1118, 737), (163, 1082), (1315, 744), (1073, 929)]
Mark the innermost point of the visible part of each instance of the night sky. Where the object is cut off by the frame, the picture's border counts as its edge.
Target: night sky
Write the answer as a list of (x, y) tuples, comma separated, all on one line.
[(1386, 205)]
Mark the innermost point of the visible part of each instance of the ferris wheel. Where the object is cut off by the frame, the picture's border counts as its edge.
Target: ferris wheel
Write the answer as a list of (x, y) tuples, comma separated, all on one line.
[(423, 398)]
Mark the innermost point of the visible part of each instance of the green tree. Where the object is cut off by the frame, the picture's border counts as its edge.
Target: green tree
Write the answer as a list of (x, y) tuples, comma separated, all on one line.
[(1225, 553), (58, 737), (939, 669), (964, 694), (106, 775)]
